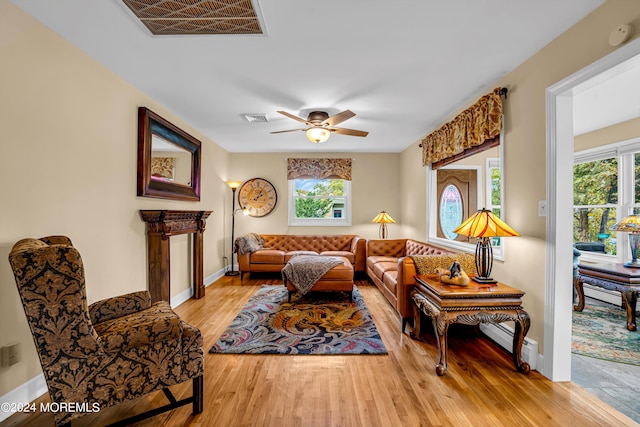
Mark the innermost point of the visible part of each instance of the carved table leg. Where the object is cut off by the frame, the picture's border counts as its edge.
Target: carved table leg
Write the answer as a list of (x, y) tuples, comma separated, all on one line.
[(522, 323), (415, 333), (580, 290), (630, 298), (441, 327)]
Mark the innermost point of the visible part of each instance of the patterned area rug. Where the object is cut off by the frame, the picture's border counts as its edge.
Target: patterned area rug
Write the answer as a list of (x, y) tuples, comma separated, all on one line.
[(601, 332), (316, 323)]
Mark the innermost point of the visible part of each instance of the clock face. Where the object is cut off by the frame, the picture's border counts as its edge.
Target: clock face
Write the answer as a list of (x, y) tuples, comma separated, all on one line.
[(258, 196)]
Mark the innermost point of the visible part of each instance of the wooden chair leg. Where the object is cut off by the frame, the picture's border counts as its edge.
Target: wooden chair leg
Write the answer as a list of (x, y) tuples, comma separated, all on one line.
[(198, 394)]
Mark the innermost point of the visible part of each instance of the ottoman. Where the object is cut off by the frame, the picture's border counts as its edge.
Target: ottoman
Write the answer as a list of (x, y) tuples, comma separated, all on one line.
[(339, 278)]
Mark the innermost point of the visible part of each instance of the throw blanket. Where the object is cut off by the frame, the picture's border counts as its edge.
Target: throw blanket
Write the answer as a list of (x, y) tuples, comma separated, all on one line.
[(249, 243), (427, 264), (303, 271)]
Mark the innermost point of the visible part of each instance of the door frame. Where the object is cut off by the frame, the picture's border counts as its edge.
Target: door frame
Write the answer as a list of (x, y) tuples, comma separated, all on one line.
[(559, 226)]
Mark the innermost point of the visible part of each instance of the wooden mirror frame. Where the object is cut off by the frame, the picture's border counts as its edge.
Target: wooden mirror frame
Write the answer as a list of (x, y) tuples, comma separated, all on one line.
[(148, 124)]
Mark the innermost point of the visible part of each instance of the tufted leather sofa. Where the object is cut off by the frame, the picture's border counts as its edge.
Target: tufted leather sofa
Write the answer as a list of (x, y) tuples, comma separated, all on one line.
[(279, 248), (392, 271)]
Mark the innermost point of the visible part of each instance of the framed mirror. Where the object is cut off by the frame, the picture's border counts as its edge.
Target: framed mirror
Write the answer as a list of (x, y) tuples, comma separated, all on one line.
[(168, 159)]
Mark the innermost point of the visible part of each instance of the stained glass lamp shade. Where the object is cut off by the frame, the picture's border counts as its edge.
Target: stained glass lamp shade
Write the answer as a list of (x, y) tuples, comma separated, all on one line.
[(631, 225), (483, 225), (383, 219)]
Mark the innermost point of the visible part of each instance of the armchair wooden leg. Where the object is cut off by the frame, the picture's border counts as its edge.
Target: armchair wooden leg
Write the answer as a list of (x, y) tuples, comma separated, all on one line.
[(198, 394)]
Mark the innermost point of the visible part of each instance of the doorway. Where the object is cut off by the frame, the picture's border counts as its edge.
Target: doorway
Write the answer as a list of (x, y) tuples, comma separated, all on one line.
[(559, 234)]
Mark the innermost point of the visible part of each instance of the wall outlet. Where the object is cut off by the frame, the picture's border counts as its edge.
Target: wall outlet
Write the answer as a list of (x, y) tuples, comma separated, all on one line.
[(10, 354)]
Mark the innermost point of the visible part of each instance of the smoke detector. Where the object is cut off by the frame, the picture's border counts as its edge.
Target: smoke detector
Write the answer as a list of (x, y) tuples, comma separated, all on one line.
[(620, 34), (256, 117)]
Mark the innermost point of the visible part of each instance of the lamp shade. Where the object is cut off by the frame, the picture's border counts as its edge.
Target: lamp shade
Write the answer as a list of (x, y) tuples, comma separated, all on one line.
[(383, 218), (485, 224), (630, 224), (317, 134), (234, 184)]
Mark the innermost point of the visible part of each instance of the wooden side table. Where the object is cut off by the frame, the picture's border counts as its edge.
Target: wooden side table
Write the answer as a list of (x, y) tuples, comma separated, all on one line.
[(469, 305), (614, 277)]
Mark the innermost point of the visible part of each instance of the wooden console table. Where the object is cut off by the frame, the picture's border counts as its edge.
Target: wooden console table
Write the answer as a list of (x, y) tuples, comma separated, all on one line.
[(469, 305), (614, 277), (160, 226)]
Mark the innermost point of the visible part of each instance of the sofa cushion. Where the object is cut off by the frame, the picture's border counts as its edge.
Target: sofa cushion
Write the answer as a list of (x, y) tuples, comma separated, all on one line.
[(348, 255), (372, 260), (291, 254), (380, 268), (267, 256), (390, 279)]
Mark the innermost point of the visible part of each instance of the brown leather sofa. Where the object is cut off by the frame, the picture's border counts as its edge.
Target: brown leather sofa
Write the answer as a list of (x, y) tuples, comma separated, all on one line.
[(279, 248), (392, 271)]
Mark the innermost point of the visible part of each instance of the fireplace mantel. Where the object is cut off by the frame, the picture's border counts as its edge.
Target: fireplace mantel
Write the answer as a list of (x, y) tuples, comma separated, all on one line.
[(161, 225)]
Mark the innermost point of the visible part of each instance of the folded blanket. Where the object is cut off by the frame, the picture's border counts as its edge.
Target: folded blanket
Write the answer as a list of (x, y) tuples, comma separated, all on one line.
[(249, 243), (427, 264), (303, 271)]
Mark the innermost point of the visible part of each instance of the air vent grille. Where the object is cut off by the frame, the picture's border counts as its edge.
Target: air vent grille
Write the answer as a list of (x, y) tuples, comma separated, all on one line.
[(256, 117), (177, 17)]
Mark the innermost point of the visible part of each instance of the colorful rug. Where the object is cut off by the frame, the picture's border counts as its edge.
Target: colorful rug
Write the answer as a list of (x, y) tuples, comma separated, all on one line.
[(601, 332), (316, 323)]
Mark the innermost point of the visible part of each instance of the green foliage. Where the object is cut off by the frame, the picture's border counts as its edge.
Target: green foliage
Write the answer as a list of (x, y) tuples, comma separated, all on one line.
[(595, 183), (318, 202)]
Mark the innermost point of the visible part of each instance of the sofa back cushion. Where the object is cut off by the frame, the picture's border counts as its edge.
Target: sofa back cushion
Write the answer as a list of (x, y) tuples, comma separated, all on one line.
[(290, 242), (413, 247), (389, 248)]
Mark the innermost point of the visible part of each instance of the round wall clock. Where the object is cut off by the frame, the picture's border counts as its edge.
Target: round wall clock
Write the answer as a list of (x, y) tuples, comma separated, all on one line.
[(258, 196)]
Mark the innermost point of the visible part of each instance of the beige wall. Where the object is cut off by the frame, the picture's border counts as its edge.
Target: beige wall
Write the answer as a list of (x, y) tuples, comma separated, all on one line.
[(609, 135), (375, 186), (68, 150), (525, 150)]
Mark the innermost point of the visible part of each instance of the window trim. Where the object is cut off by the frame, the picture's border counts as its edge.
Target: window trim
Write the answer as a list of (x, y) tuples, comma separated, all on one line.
[(432, 207), (345, 221)]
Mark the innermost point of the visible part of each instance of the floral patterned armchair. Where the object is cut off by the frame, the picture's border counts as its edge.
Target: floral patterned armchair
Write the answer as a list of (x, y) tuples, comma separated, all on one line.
[(114, 350)]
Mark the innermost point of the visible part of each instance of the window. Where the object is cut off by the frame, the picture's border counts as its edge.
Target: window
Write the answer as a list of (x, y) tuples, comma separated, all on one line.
[(478, 180), (319, 202), (606, 188), (450, 211)]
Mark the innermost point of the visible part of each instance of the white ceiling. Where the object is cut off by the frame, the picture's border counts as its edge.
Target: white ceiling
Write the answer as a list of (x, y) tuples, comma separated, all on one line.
[(402, 66)]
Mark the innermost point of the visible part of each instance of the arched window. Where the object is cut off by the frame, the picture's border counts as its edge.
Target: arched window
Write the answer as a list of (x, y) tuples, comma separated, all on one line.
[(450, 211)]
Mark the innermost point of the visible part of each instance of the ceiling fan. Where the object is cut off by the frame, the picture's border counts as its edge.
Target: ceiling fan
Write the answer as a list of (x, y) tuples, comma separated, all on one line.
[(321, 126)]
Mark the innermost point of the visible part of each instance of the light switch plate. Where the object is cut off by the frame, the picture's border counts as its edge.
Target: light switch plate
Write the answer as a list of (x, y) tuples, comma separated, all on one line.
[(542, 208)]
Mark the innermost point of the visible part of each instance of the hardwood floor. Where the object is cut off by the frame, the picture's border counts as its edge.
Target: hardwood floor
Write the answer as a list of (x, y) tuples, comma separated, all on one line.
[(481, 388)]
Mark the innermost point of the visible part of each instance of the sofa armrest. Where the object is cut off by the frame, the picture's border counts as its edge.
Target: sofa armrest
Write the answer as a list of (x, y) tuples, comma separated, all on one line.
[(405, 283), (123, 305), (359, 249)]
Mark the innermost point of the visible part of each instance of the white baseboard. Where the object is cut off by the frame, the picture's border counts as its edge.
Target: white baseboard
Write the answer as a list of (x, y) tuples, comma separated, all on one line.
[(36, 387), (25, 393), (503, 335), (188, 293)]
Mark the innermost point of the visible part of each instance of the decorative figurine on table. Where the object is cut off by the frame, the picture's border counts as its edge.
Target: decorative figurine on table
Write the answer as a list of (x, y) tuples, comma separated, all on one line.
[(454, 276)]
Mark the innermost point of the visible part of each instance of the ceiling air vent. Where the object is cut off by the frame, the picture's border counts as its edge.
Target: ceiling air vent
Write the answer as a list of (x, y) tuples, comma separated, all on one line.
[(256, 117)]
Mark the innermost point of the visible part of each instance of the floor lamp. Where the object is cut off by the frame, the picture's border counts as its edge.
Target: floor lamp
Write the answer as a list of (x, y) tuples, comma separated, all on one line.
[(234, 186)]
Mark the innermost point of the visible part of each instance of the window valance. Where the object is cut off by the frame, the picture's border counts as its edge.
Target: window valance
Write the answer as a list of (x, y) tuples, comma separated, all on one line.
[(477, 125), (319, 169)]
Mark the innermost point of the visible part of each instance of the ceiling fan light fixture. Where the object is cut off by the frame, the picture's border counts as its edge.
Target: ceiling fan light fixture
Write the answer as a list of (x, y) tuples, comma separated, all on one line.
[(317, 134)]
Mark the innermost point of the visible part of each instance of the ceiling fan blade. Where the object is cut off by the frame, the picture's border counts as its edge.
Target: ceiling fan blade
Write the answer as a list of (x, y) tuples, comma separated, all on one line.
[(350, 132), (291, 116), (289, 130), (339, 118)]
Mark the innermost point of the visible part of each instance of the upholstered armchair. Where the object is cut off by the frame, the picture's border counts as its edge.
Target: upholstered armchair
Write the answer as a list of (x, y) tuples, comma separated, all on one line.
[(99, 355)]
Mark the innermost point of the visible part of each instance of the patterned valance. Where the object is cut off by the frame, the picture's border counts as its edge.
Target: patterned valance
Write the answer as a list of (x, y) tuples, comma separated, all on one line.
[(319, 169), (474, 126)]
